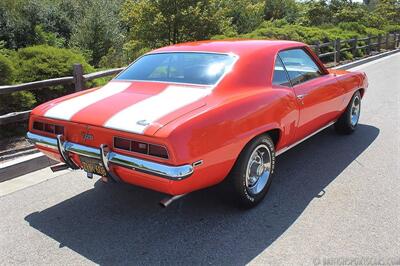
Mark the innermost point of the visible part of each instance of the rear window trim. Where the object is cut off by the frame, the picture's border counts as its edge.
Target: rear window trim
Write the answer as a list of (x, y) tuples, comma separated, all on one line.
[(235, 56)]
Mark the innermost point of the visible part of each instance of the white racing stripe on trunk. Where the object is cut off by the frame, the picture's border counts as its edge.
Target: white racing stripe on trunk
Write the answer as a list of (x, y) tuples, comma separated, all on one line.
[(66, 109), (137, 117)]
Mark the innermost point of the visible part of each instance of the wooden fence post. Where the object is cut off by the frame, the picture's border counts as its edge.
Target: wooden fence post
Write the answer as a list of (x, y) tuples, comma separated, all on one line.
[(78, 77), (354, 47), (387, 42), (393, 46), (378, 46), (368, 45), (337, 50), (334, 51)]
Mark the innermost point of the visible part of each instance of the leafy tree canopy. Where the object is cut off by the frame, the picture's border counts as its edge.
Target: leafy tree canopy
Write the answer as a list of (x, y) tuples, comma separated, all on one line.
[(162, 22), (41, 39)]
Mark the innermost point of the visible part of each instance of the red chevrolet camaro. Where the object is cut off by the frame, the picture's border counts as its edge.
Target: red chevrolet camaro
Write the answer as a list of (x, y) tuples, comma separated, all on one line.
[(189, 116)]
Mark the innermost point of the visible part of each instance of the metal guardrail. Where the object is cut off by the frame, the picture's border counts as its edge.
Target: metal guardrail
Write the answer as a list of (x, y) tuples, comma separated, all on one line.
[(388, 42)]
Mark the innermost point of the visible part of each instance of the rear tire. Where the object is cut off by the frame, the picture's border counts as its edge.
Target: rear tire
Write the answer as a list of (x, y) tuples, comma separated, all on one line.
[(249, 180), (348, 121)]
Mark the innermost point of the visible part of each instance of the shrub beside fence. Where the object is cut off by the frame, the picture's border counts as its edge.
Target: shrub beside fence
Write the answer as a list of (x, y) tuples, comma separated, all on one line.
[(335, 49)]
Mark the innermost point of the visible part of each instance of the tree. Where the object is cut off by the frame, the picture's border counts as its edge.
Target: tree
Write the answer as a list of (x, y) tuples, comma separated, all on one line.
[(162, 22), (97, 29), (24, 23), (388, 10), (245, 16), (351, 12), (318, 13), (278, 9)]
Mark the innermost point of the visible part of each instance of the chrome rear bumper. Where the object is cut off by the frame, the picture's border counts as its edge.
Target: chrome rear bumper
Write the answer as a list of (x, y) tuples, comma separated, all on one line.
[(109, 157)]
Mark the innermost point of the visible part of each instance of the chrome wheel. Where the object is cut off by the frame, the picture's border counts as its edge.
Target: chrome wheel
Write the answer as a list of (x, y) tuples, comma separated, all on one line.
[(355, 110), (258, 169)]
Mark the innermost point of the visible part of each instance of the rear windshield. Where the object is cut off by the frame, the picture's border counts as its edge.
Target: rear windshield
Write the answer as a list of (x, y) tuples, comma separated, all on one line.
[(187, 67)]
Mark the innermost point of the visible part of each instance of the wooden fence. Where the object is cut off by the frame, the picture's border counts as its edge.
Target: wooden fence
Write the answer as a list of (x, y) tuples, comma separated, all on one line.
[(369, 44), (78, 79), (335, 47)]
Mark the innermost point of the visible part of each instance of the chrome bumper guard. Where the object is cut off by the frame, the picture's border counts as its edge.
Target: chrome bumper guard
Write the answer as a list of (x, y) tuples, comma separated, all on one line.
[(109, 157)]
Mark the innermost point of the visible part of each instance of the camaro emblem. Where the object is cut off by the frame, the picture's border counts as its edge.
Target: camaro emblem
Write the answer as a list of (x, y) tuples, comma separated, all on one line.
[(86, 135)]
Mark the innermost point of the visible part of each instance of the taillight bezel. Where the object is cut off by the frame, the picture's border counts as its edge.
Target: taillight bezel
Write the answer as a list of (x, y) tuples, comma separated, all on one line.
[(145, 153), (45, 128)]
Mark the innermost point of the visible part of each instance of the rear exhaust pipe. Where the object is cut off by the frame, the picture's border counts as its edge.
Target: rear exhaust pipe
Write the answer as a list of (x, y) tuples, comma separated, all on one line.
[(167, 201)]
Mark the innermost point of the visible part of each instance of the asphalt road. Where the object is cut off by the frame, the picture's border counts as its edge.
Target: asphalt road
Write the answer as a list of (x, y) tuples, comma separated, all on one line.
[(334, 200)]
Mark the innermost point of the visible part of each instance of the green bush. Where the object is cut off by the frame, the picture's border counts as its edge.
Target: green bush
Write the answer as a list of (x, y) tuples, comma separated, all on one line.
[(17, 101), (392, 28), (7, 71), (44, 62), (353, 26), (281, 30), (33, 64)]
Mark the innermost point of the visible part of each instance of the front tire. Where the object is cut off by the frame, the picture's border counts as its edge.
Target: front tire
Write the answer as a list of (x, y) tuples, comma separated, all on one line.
[(348, 121), (251, 176)]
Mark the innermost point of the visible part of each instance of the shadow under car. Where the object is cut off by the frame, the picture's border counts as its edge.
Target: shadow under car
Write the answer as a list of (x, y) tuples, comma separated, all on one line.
[(121, 224)]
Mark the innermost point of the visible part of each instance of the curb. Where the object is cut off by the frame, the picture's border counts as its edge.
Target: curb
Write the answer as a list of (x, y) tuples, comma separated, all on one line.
[(24, 165), (366, 60), (17, 153), (11, 151), (37, 160)]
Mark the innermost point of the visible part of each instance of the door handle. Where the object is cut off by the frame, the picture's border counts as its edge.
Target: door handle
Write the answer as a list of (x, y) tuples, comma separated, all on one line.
[(301, 96)]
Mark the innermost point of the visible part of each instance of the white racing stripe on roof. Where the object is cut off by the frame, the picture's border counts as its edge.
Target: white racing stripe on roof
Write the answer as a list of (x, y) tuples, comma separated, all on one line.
[(137, 117), (68, 108)]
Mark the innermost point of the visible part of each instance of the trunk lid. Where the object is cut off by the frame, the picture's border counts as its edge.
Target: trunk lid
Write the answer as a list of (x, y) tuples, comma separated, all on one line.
[(136, 107)]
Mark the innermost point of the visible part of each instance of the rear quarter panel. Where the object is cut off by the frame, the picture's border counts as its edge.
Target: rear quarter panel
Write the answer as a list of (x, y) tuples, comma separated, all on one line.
[(219, 132)]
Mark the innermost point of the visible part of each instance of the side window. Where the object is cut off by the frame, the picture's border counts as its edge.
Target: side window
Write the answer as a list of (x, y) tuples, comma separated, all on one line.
[(299, 65), (280, 75)]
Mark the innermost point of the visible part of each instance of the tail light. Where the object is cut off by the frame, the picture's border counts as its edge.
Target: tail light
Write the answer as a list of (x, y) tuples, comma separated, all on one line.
[(141, 147), (49, 128), (159, 151), (122, 144)]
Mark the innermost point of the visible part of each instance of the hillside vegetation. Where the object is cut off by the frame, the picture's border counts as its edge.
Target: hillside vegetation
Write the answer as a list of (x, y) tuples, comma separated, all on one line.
[(41, 39)]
